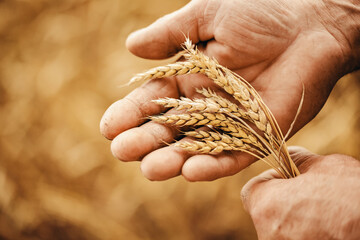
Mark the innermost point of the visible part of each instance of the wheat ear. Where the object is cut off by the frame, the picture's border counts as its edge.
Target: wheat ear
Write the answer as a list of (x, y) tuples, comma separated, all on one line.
[(209, 105), (173, 69), (247, 97), (217, 120), (241, 91), (221, 114)]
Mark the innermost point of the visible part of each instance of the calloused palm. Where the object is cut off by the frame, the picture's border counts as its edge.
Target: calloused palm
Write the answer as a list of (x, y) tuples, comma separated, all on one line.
[(278, 46)]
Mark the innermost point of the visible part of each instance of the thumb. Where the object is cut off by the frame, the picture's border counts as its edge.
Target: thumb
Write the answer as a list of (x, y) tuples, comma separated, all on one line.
[(301, 157), (164, 37), (248, 189)]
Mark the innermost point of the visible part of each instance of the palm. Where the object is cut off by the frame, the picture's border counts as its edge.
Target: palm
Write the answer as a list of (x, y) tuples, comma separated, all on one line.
[(271, 52)]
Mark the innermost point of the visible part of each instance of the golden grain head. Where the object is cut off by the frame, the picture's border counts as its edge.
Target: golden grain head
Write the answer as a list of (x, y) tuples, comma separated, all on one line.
[(248, 126)]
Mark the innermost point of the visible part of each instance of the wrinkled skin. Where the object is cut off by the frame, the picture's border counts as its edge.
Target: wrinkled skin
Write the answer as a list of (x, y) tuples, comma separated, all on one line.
[(321, 203), (277, 45)]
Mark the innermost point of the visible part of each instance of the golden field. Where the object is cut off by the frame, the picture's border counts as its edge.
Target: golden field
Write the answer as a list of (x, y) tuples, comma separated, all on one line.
[(61, 65)]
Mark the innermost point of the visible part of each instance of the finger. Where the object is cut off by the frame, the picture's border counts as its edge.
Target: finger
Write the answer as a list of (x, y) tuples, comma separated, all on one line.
[(211, 167), (247, 191), (135, 143), (132, 110), (164, 37), (200, 167), (170, 161), (164, 163), (302, 157), (249, 194)]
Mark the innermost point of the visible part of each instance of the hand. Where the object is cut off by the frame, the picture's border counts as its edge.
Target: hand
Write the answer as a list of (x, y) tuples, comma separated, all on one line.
[(276, 45), (321, 203)]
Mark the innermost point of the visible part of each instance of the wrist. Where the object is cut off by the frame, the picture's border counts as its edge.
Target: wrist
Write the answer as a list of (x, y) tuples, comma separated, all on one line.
[(343, 19)]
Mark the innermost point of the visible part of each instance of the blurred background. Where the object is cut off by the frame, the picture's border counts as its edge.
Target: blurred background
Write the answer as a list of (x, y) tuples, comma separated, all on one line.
[(61, 63)]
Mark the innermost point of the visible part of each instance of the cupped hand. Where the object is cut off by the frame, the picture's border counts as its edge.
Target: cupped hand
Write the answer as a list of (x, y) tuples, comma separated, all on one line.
[(321, 203), (278, 46)]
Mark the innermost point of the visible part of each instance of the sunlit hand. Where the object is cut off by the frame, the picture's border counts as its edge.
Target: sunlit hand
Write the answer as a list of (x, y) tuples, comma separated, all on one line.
[(276, 45), (321, 203)]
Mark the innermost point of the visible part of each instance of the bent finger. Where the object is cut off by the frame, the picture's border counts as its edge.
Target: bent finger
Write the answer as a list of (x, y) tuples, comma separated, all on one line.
[(132, 110), (302, 157), (135, 143), (248, 189), (171, 161), (211, 167)]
